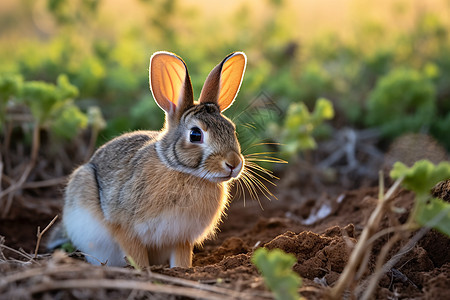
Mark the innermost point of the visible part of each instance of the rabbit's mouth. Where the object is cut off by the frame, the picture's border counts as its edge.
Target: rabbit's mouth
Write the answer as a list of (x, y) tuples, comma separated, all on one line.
[(232, 175), (219, 179)]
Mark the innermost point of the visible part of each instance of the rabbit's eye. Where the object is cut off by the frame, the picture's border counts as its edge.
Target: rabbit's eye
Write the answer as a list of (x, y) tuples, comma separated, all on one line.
[(196, 135)]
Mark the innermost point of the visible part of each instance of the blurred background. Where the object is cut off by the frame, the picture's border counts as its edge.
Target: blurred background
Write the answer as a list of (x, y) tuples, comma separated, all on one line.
[(329, 84)]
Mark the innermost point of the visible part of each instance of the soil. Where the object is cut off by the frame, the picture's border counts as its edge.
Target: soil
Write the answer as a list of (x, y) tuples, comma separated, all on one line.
[(322, 249)]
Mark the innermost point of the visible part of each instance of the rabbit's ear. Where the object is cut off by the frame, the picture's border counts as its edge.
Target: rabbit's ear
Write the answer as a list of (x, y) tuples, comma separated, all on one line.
[(170, 83), (223, 83)]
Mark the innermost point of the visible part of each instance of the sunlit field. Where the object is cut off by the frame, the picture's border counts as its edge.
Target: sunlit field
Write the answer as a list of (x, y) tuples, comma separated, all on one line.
[(338, 99)]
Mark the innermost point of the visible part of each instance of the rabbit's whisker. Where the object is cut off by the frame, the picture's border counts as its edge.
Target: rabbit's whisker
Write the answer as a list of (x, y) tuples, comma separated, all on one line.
[(264, 157), (259, 154), (256, 167), (260, 186), (268, 159), (254, 187), (249, 125), (254, 173), (240, 190), (262, 143), (248, 185), (252, 190), (251, 185)]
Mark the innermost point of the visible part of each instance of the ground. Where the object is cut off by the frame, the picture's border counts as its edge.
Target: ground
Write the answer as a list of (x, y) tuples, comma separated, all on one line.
[(222, 267)]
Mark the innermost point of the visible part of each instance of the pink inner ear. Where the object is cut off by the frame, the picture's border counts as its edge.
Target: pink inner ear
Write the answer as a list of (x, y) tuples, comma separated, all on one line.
[(167, 74), (223, 83), (230, 79)]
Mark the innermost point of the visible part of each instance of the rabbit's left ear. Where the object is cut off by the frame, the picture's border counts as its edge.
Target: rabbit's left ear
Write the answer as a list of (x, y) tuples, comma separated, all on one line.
[(223, 83), (170, 83)]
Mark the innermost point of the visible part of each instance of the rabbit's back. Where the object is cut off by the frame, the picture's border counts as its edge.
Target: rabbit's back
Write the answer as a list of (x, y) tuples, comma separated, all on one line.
[(117, 153), (115, 166)]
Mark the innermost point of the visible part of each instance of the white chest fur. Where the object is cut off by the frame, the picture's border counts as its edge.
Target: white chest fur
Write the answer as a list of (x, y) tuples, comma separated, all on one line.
[(193, 220), (172, 227)]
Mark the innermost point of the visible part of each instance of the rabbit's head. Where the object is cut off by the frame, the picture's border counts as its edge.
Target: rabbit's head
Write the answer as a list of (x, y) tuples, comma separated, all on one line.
[(197, 138)]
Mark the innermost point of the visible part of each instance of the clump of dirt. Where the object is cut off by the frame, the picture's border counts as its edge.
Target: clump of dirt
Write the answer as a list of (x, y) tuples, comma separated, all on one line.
[(317, 255), (231, 246), (321, 245), (442, 190)]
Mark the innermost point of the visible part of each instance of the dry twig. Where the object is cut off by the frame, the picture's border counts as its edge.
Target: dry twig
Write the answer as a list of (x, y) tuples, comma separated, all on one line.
[(44, 183), (172, 286), (25, 255), (40, 234), (118, 284), (372, 282), (29, 167), (357, 257)]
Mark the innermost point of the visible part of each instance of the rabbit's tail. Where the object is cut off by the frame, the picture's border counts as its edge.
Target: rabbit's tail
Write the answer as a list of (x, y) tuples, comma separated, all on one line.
[(58, 237)]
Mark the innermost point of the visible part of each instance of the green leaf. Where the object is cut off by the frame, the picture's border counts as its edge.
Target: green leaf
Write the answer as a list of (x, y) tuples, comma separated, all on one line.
[(300, 126), (65, 89), (40, 97), (422, 176), (10, 85), (44, 99), (68, 122), (435, 214), (431, 70), (276, 269), (414, 96), (323, 110), (68, 247)]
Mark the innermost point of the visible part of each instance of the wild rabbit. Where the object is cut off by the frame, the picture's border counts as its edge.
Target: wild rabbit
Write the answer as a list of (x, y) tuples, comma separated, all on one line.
[(152, 195)]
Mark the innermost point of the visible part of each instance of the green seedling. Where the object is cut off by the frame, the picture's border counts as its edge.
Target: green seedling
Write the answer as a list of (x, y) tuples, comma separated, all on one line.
[(10, 86), (133, 263), (68, 247), (276, 269), (420, 179), (301, 124)]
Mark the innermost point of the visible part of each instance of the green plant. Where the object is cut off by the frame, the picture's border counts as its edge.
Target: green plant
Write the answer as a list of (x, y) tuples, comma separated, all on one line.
[(68, 247), (402, 101), (420, 178), (276, 269), (10, 86), (43, 106), (52, 106), (67, 12), (45, 100), (307, 84), (427, 212), (300, 126)]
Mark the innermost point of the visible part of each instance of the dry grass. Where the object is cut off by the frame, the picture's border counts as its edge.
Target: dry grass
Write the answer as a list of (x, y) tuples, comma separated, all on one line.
[(350, 281), (62, 277)]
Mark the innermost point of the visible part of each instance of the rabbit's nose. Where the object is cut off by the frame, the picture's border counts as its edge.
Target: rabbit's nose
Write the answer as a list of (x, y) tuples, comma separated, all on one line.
[(233, 162), (230, 166)]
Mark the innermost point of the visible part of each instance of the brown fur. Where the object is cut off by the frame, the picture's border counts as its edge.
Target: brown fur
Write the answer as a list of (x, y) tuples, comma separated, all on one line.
[(144, 176)]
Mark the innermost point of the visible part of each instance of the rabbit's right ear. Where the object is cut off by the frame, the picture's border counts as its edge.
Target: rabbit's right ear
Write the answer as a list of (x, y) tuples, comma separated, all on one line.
[(223, 83), (170, 83)]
